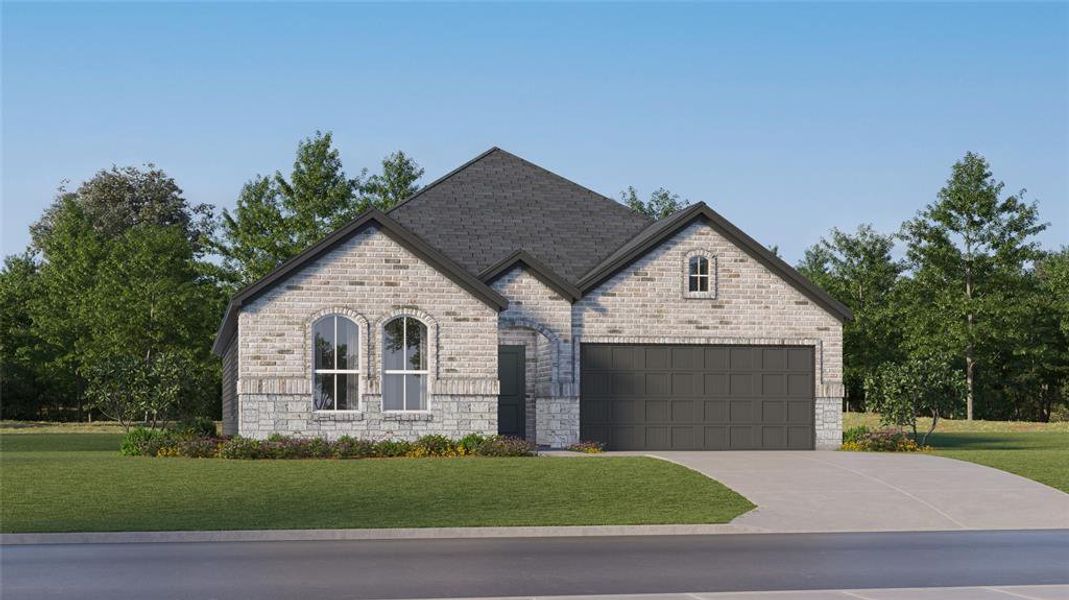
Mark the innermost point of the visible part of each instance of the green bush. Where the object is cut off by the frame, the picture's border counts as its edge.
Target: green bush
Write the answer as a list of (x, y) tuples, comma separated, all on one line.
[(141, 441), (196, 427), (433, 445), (240, 448), (500, 445), (349, 447), (471, 443), (392, 448), (854, 434), (883, 440)]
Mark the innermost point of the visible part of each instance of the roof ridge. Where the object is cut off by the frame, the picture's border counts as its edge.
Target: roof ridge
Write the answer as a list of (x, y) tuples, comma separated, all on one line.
[(599, 195), (441, 179)]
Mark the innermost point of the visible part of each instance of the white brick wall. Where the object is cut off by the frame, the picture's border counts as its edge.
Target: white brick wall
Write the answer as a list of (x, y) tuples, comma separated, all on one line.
[(370, 278)]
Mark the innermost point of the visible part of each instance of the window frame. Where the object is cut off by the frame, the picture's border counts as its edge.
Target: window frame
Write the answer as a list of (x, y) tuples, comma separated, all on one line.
[(425, 372), (710, 293), (360, 378)]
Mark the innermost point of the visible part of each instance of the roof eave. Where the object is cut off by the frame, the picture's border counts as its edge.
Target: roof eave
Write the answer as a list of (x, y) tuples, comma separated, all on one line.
[(540, 270), (602, 272)]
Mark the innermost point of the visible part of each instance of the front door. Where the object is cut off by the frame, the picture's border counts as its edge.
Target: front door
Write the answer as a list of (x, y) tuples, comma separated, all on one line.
[(511, 407)]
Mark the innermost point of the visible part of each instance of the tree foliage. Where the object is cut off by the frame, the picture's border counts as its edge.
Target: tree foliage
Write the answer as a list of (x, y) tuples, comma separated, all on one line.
[(918, 386), (278, 217), (967, 253), (858, 269), (660, 204)]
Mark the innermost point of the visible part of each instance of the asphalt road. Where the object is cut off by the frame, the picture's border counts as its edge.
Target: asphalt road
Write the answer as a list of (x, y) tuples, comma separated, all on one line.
[(533, 566)]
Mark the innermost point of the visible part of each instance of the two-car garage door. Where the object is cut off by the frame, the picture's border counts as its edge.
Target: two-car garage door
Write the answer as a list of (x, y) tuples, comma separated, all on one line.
[(690, 397)]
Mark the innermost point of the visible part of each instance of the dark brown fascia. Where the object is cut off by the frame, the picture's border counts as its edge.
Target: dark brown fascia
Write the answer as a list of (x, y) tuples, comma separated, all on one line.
[(540, 270), (658, 234), (398, 233)]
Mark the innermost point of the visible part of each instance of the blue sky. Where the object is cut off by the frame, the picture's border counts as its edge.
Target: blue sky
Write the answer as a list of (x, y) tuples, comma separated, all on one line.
[(788, 119)]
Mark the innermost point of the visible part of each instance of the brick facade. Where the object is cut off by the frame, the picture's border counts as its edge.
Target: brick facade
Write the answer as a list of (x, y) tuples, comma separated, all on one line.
[(371, 278)]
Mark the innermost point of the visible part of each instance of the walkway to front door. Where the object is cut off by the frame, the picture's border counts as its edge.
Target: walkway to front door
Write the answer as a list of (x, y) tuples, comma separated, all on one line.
[(511, 405)]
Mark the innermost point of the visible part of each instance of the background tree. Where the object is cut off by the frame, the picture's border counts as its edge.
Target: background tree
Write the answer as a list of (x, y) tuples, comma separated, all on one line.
[(397, 181), (966, 252), (118, 267), (858, 270), (276, 217), (661, 203)]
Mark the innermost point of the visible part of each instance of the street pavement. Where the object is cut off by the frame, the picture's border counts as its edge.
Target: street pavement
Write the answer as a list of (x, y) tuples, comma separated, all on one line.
[(532, 567)]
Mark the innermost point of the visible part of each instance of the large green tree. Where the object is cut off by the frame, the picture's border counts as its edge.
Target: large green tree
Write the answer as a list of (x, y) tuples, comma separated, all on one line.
[(966, 253), (118, 270), (278, 217), (858, 269)]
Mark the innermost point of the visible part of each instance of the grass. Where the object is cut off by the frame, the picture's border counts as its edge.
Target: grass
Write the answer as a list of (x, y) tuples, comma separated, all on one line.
[(1038, 451), (78, 482)]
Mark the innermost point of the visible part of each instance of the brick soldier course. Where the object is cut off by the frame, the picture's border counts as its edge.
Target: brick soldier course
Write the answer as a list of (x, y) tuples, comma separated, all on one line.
[(502, 252)]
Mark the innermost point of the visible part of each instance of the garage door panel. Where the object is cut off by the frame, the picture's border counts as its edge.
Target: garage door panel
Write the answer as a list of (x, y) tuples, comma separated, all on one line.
[(683, 384), (716, 384), (646, 397)]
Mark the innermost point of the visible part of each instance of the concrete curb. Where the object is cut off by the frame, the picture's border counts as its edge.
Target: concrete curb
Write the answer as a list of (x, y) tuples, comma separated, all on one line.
[(310, 535)]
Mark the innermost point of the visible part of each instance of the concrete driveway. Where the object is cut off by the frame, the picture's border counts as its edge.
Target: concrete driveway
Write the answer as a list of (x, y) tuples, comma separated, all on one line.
[(855, 491)]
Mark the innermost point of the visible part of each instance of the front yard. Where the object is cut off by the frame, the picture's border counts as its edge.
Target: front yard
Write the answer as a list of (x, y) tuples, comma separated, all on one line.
[(1038, 451), (78, 482)]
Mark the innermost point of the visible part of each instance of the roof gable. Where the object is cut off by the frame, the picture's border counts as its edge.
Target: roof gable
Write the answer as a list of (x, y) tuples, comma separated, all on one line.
[(498, 203), (664, 229), (372, 217), (534, 266)]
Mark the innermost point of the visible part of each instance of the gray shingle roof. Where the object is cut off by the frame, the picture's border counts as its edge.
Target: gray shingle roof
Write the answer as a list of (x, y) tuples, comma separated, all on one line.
[(499, 203)]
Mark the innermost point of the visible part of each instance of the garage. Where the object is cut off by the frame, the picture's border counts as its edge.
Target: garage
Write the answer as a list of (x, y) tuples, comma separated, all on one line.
[(694, 397)]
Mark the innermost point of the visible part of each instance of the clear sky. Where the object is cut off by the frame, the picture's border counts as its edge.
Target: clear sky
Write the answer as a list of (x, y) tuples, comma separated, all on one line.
[(788, 119)]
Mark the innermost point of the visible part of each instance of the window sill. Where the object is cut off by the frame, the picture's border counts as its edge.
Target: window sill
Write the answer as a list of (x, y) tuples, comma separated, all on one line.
[(407, 415), (338, 415)]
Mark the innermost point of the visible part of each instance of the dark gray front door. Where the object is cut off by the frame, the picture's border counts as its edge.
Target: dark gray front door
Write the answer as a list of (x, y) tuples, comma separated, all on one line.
[(511, 413), (667, 397)]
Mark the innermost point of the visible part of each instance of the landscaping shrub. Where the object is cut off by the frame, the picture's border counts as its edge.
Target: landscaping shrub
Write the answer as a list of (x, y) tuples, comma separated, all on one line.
[(501, 445), (350, 447), (882, 440), (141, 441), (854, 434), (587, 447), (433, 445), (392, 448), (167, 443), (240, 448), (471, 443), (197, 427)]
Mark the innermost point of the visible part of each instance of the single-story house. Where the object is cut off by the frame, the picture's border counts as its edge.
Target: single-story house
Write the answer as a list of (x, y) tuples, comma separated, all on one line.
[(503, 298)]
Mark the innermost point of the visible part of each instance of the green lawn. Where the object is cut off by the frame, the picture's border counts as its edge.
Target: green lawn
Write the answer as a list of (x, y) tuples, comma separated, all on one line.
[(1038, 451), (78, 482)]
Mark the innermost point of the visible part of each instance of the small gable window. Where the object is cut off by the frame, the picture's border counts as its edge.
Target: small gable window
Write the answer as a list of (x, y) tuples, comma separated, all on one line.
[(404, 362), (699, 275), (336, 371)]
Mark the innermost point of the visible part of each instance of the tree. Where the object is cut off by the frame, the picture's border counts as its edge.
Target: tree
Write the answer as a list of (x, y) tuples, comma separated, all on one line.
[(277, 218), (661, 203), (128, 389), (902, 392), (122, 282), (858, 270), (398, 180), (117, 199), (964, 251)]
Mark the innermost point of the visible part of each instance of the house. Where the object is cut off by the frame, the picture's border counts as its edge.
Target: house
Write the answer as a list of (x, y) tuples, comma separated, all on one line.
[(503, 298)]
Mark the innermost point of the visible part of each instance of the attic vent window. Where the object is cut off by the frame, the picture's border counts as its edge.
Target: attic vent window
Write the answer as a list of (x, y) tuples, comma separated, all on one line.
[(699, 275)]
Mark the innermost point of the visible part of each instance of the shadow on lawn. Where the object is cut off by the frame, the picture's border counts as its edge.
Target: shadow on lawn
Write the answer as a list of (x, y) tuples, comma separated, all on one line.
[(1000, 441)]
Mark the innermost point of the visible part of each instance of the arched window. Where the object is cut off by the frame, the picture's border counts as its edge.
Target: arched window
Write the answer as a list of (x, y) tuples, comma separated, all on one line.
[(698, 274), (404, 365), (336, 366)]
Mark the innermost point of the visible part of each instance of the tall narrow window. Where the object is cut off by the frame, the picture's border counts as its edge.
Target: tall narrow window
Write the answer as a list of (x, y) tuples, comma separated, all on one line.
[(698, 274), (336, 370), (404, 365)]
